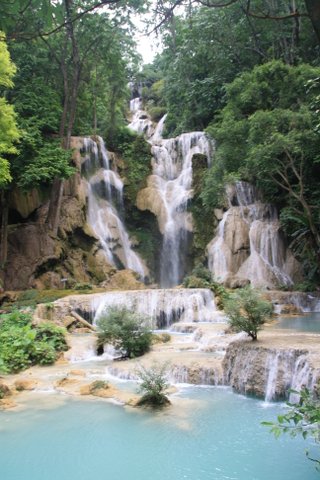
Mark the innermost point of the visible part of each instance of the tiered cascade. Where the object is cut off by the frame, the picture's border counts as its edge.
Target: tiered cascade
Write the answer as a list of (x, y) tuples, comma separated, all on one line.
[(169, 189), (249, 245), (162, 307), (105, 207)]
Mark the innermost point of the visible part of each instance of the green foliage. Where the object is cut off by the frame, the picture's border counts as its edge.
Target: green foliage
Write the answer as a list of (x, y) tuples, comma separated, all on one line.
[(51, 162), (9, 133), (266, 134), (83, 286), (302, 418), (98, 385), (4, 391), (161, 338), (31, 298), (247, 311), (156, 113), (126, 331), (137, 156), (51, 334), (201, 277), (23, 345), (203, 230), (154, 385)]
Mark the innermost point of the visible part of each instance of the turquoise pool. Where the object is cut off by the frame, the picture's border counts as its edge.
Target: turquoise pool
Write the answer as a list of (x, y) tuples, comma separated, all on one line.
[(309, 322), (211, 434)]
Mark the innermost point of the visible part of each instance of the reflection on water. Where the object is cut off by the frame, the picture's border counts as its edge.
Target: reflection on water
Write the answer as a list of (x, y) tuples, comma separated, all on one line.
[(208, 434)]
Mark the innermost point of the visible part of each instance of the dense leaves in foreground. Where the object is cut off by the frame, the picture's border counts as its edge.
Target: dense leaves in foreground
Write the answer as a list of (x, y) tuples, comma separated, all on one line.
[(23, 345), (301, 418)]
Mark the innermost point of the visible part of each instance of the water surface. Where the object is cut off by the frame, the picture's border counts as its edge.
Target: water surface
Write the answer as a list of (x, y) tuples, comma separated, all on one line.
[(212, 434), (302, 323)]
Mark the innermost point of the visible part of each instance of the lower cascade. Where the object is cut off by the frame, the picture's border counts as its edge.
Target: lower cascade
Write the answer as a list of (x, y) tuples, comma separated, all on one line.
[(268, 373), (163, 307)]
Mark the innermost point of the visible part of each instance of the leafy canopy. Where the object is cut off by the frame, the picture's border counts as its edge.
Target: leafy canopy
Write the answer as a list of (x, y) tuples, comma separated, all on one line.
[(302, 418), (9, 133)]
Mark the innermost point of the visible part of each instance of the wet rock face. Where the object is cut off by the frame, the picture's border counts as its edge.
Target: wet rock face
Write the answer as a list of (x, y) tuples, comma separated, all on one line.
[(38, 260), (249, 244), (267, 373)]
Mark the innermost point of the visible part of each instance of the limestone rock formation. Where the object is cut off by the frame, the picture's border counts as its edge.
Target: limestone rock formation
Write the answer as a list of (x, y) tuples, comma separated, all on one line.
[(269, 372), (38, 260), (249, 245)]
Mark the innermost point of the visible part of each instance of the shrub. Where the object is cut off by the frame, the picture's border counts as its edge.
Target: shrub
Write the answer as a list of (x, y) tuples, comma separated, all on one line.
[(201, 277), (83, 286), (53, 335), (247, 311), (126, 331), (43, 353), (98, 385), (23, 345), (154, 385), (161, 338), (156, 113)]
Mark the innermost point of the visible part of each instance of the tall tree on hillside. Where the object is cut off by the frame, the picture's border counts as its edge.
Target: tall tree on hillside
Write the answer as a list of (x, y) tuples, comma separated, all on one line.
[(9, 135)]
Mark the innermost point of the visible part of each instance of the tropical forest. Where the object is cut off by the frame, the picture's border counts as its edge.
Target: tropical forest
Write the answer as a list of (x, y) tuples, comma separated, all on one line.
[(160, 239)]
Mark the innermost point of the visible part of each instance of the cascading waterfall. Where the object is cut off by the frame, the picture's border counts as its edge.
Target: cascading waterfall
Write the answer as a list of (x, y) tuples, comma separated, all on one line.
[(248, 244), (268, 372), (162, 307), (105, 204), (171, 186)]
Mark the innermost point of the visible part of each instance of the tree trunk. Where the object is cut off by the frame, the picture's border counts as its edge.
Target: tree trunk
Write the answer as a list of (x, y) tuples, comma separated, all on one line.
[(313, 8), (68, 117), (53, 216)]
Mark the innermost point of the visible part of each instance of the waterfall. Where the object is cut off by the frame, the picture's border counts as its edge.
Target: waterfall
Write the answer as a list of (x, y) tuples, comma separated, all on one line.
[(169, 189), (162, 307), (141, 121), (248, 244), (105, 204), (272, 373)]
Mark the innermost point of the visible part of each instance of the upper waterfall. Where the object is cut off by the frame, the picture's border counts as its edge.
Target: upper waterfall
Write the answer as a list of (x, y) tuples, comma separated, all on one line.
[(105, 205), (169, 189), (249, 244)]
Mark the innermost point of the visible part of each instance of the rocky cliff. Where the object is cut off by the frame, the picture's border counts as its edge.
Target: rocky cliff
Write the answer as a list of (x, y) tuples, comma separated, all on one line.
[(38, 259)]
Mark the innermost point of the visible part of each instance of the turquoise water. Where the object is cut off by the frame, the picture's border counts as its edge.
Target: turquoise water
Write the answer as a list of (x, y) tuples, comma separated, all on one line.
[(212, 434), (302, 323)]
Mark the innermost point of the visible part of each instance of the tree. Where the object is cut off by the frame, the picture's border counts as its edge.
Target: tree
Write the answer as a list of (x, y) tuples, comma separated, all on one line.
[(247, 311), (8, 128), (9, 135), (302, 418), (267, 135), (126, 331), (292, 10), (154, 385)]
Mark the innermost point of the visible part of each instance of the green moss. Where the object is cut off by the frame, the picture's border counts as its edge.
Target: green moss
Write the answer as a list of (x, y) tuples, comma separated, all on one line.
[(143, 227), (30, 298), (137, 157), (204, 226)]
